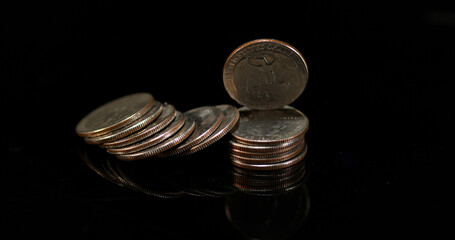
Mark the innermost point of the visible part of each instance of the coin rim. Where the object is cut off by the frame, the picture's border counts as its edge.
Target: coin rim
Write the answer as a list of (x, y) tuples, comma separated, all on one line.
[(267, 154), (145, 132), (262, 148), (272, 166), (165, 145), (151, 140), (265, 159)]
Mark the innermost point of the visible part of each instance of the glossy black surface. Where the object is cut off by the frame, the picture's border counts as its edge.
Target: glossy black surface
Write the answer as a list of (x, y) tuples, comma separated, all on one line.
[(378, 101)]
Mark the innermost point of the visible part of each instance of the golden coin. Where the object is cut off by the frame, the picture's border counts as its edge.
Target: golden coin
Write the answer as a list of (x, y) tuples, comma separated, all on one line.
[(135, 126), (114, 114), (265, 74)]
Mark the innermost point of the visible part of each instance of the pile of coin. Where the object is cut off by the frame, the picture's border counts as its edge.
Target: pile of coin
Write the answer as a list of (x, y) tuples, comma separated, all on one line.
[(265, 76), (269, 140), (137, 126)]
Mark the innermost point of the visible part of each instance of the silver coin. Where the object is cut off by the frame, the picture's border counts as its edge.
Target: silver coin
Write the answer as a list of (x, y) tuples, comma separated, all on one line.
[(230, 117), (271, 126), (207, 119), (267, 154), (114, 114), (271, 166), (267, 158), (165, 118), (167, 132), (135, 126), (170, 142), (265, 74), (263, 149)]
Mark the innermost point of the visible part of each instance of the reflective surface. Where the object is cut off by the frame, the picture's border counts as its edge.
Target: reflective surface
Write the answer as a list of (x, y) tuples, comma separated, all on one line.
[(379, 101)]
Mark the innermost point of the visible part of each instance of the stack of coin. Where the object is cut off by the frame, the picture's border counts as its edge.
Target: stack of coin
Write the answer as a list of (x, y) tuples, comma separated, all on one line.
[(269, 140), (137, 126), (265, 76)]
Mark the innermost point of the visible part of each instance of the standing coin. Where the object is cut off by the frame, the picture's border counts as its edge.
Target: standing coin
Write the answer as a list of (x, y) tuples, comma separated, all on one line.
[(114, 115), (270, 127), (265, 74)]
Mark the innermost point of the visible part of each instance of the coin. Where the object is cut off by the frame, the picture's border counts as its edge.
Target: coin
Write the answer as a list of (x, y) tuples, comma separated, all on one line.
[(165, 118), (170, 142), (230, 118), (250, 148), (267, 158), (271, 166), (207, 119), (172, 128), (265, 74), (114, 114), (279, 152), (271, 126), (136, 125)]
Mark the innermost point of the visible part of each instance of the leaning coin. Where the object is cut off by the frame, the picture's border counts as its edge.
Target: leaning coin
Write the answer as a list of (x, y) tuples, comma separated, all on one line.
[(271, 126), (265, 74), (161, 122), (136, 125), (172, 128), (272, 166), (170, 142), (230, 118), (114, 114), (207, 119)]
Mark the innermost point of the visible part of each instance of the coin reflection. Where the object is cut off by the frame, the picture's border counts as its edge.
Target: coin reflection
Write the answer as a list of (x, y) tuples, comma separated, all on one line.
[(268, 183), (268, 217), (130, 176)]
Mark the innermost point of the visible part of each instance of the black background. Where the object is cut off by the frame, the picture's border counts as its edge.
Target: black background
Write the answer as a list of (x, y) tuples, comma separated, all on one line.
[(378, 100)]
